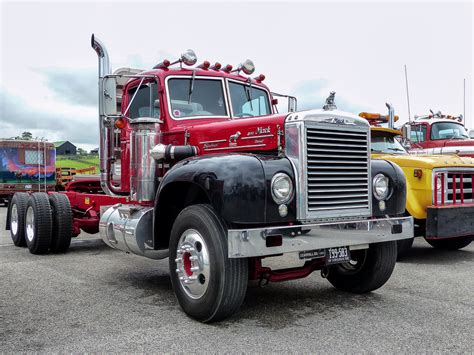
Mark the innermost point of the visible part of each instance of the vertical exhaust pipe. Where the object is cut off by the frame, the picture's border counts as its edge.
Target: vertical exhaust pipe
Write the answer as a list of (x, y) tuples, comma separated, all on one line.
[(391, 115), (104, 135)]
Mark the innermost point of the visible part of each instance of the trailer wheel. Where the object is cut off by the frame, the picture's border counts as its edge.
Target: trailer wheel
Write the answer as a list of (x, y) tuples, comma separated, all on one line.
[(62, 223), (17, 211), (208, 284), (450, 243), (38, 223), (368, 270)]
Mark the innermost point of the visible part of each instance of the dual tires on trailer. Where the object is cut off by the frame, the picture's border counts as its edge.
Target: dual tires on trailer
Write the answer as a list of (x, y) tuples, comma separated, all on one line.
[(41, 222), (368, 269), (208, 284)]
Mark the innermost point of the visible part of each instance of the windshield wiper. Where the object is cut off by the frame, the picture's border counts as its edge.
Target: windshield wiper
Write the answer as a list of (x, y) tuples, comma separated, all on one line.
[(248, 93), (191, 86)]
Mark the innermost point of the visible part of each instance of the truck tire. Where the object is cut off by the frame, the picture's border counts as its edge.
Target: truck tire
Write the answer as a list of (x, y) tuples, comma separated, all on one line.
[(17, 218), (403, 245), (38, 223), (450, 243), (368, 270), (208, 284), (62, 223)]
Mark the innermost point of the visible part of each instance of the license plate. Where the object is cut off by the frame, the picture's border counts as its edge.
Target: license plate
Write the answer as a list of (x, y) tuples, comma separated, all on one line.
[(338, 255), (332, 255)]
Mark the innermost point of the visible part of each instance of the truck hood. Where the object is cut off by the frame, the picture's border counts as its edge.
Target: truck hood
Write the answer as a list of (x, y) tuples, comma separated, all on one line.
[(427, 161), (244, 134)]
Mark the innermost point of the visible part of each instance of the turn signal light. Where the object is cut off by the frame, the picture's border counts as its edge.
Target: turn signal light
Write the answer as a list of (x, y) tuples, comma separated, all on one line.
[(418, 173), (120, 123)]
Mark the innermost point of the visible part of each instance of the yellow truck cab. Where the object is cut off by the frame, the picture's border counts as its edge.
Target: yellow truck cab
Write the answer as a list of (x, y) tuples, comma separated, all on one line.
[(439, 187)]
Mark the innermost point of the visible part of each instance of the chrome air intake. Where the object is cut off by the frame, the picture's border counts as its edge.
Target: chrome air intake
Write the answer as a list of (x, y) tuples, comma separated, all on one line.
[(330, 151), (143, 138)]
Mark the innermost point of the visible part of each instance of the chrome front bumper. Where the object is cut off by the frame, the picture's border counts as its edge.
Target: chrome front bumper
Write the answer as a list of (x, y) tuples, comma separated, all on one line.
[(244, 243)]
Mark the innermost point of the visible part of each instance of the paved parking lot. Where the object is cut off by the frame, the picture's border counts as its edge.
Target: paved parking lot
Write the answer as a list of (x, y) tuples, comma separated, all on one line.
[(97, 299)]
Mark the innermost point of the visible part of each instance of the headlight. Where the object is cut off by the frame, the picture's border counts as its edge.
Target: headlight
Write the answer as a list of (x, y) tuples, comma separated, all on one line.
[(282, 188), (380, 185)]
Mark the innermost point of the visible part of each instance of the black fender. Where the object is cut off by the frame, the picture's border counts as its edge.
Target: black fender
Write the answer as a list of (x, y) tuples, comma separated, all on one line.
[(395, 203), (236, 186)]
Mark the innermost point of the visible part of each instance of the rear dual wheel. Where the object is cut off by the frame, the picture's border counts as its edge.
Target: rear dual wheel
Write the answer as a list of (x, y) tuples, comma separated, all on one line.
[(41, 222)]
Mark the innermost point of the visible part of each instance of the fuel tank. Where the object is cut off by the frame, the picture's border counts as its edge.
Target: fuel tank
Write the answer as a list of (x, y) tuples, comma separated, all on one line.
[(129, 228)]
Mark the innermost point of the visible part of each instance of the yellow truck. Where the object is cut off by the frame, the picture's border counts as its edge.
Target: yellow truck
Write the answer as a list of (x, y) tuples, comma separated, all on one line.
[(439, 188)]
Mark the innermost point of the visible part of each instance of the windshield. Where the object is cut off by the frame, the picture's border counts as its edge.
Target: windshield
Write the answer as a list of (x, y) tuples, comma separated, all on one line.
[(203, 97), (382, 142), (248, 101), (448, 130)]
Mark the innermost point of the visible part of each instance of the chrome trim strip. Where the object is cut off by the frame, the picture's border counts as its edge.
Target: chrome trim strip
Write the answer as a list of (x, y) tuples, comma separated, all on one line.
[(237, 147), (258, 137), (216, 141), (244, 243)]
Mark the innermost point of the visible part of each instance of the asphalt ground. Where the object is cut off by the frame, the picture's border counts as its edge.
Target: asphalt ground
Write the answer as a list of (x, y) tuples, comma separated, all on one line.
[(95, 299)]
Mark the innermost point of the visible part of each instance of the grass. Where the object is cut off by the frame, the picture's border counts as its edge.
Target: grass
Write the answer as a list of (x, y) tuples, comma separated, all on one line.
[(77, 162)]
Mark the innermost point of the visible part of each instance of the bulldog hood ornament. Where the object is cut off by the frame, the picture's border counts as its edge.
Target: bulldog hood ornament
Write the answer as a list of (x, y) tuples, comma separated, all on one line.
[(330, 105)]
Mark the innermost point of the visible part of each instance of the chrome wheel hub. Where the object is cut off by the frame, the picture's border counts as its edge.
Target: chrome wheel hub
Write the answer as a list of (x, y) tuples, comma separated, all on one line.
[(30, 224), (14, 219), (192, 264)]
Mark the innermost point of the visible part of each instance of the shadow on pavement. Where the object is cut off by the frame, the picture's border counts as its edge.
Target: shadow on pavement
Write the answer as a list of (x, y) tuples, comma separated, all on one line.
[(426, 254)]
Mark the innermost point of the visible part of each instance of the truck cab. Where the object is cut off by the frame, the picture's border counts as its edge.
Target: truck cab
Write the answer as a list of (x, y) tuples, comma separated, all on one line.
[(438, 134)]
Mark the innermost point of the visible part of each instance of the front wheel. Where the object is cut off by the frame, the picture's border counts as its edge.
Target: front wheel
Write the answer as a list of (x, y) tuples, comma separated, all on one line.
[(450, 243), (208, 284), (367, 270)]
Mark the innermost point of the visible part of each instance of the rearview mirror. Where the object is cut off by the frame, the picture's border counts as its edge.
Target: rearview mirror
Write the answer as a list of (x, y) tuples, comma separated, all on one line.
[(108, 97)]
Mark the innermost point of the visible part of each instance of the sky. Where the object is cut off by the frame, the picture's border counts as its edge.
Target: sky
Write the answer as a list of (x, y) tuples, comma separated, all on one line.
[(48, 71)]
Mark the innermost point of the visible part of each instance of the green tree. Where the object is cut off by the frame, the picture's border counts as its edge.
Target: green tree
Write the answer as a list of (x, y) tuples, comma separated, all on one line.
[(27, 136)]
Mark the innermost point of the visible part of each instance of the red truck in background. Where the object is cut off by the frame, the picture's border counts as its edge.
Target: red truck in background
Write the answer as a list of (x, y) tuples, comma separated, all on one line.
[(26, 166), (197, 165), (438, 134)]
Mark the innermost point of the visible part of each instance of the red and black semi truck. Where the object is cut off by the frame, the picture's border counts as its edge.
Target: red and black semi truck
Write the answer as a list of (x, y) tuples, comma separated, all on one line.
[(197, 165)]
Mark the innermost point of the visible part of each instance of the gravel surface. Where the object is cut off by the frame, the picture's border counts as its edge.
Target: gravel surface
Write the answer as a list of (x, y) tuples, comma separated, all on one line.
[(94, 299)]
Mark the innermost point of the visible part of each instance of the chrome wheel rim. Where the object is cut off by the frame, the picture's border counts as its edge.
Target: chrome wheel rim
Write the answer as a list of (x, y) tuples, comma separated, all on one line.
[(14, 219), (192, 264), (355, 264), (30, 224)]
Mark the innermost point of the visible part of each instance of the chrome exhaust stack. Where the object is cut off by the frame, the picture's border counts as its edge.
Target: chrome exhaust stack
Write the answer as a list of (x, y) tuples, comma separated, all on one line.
[(391, 115), (105, 125)]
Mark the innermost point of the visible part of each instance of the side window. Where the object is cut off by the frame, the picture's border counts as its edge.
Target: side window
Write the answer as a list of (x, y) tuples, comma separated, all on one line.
[(418, 133), (143, 104)]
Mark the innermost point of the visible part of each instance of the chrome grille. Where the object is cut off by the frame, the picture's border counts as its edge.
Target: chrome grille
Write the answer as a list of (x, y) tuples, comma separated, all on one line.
[(337, 172)]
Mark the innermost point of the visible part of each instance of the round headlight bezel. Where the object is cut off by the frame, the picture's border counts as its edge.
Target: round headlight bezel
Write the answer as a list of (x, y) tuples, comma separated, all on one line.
[(375, 181), (278, 197)]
